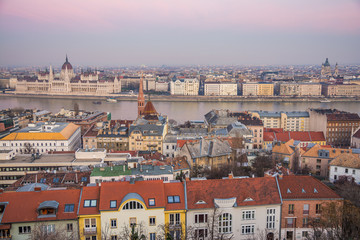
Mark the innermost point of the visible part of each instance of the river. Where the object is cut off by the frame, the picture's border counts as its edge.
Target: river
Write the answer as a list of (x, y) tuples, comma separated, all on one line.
[(179, 111)]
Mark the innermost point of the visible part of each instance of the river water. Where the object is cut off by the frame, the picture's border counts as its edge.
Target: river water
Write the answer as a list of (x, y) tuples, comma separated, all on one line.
[(179, 111)]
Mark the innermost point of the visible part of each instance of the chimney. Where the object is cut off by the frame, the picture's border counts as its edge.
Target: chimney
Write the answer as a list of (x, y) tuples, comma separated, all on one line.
[(231, 176), (280, 176), (37, 189)]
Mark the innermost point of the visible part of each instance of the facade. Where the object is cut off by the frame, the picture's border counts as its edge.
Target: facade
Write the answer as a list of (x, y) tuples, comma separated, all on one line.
[(289, 121), (146, 205), (345, 167), (187, 86), (89, 138), (300, 89), (287, 152), (337, 126), (250, 89), (42, 138), (68, 83), (220, 208), (265, 89), (220, 89), (115, 137), (317, 158), (341, 90), (27, 214), (302, 200)]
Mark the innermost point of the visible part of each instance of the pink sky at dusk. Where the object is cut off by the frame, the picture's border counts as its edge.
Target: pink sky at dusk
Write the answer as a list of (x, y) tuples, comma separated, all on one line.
[(179, 31), (278, 15)]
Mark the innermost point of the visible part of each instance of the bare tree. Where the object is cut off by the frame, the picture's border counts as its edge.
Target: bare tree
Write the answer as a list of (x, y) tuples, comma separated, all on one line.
[(133, 232), (76, 108), (43, 231)]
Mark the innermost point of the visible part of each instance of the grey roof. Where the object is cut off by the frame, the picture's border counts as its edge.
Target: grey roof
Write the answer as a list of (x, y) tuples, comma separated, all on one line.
[(170, 138), (132, 196), (59, 127), (278, 114), (49, 204), (43, 112), (233, 129), (208, 147), (148, 170), (148, 129), (30, 187), (219, 117)]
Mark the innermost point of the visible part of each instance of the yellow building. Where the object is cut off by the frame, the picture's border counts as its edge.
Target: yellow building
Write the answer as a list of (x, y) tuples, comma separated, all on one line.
[(89, 214), (265, 89)]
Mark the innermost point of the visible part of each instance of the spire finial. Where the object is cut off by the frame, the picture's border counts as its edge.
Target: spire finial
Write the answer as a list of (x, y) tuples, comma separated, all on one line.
[(66, 58)]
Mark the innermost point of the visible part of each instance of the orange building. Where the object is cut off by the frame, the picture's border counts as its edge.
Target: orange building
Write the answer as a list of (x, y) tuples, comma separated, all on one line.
[(303, 198)]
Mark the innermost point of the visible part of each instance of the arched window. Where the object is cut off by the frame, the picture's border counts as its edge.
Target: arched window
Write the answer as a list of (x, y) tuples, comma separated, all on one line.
[(133, 205), (225, 223)]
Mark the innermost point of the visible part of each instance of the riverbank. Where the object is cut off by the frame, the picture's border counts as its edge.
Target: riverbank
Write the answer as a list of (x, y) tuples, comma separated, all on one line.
[(172, 98)]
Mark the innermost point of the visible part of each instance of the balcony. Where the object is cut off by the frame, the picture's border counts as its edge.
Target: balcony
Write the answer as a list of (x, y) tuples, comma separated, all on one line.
[(90, 231), (305, 212)]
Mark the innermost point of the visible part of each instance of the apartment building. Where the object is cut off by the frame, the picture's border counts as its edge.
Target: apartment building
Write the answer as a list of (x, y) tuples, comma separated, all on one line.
[(220, 89), (346, 166), (300, 89), (341, 90), (289, 121), (187, 86)]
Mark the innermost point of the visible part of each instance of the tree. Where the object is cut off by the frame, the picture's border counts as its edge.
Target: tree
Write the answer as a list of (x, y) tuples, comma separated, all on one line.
[(134, 232), (43, 231), (261, 164)]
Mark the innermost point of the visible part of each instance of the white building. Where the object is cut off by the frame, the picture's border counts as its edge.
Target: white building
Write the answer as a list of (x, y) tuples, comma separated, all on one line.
[(220, 89), (229, 207), (43, 137), (250, 89), (345, 166), (188, 86)]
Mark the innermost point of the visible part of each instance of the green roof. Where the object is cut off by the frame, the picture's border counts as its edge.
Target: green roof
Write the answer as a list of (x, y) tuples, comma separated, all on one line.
[(107, 172)]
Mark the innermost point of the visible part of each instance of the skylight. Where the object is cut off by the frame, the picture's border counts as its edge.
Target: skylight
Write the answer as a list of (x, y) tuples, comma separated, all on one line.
[(288, 191)]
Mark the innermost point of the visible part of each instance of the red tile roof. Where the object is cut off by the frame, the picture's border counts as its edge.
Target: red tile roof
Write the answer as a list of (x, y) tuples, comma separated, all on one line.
[(23, 206), (343, 117), (304, 187), (146, 189), (309, 136), (89, 193), (261, 190), (181, 142)]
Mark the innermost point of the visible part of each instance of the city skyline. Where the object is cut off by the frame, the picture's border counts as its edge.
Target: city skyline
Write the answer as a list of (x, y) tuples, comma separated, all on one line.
[(155, 33)]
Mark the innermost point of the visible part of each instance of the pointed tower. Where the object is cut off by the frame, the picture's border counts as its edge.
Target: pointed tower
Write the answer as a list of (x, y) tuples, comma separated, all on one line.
[(51, 78), (141, 98), (336, 70)]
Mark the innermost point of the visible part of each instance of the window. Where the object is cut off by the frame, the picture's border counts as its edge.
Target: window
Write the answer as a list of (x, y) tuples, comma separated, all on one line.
[(48, 228), (43, 180), (201, 218), (305, 222), (201, 233), (69, 208), (69, 227), (113, 223), (306, 209), (83, 179), (335, 169), (353, 171), (225, 223), (90, 223), (290, 222), (152, 236), (151, 201), (152, 221), (248, 215), (24, 229), (133, 205), (247, 229), (270, 218), (113, 237), (90, 203), (291, 208), (173, 199), (318, 208), (346, 170), (174, 218), (113, 203), (132, 222), (304, 234)]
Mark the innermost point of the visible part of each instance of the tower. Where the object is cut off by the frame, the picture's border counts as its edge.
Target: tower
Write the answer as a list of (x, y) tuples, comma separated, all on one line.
[(141, 98), (326, 69), (51, 78), (336, 73)]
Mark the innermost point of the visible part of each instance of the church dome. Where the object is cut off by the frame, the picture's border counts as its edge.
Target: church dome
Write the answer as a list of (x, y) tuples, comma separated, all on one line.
[(66, 65)]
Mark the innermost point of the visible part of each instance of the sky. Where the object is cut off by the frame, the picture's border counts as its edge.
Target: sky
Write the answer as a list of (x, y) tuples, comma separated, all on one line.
[(179, 32)]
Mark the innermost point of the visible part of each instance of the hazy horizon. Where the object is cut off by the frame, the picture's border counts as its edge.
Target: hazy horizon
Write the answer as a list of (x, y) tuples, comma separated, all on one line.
[(179, 33)]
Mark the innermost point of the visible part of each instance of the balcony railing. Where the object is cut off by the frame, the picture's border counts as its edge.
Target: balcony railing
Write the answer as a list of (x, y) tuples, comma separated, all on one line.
[(305, 211), (90, 231)]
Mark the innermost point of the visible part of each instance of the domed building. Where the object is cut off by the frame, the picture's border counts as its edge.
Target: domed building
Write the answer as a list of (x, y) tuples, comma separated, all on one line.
[(68, 82)]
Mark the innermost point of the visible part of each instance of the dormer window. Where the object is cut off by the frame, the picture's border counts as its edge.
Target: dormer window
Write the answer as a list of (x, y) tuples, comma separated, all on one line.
[(48, 209), (303, 191), (69, 208), (248, 199), (173, 199), (43, 180), (288, 191), (55, 180), (83, 179), (90, 203), (201, 202), (315, 191)]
